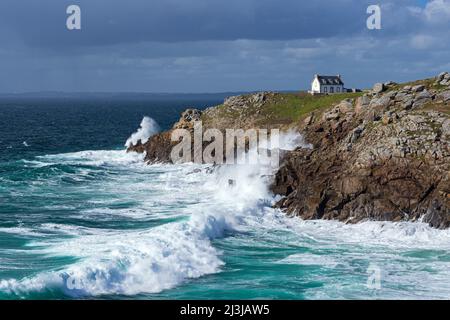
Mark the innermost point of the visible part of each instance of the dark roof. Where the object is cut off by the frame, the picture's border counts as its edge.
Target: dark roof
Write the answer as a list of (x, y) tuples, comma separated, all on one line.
[(336, 80)]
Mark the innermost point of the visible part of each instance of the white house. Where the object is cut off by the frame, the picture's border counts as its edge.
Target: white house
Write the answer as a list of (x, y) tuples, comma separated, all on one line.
[(327, 84)]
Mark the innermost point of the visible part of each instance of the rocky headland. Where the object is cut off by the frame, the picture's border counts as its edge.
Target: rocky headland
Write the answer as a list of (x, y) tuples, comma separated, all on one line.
[(382, 154)]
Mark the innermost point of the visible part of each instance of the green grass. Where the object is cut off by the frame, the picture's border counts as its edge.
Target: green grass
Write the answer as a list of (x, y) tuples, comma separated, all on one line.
[(282, 108), (287, 109), (292, 107), (429, 83)]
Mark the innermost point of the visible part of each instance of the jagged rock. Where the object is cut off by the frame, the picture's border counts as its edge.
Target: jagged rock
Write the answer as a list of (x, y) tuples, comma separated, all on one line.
[(391, 94), (390, 84), (188, 118), (443, 79), (381, 103), (308, 120), (402, 95), (332, 115), (444, 96), (362, 103), (422, 98), (442, 76), (259, 98), (445, 82), (418, 88), (398, 170), (446, 128), (345, 106), (408, 103), (388, 117), (405, 99), (238, 101), (378, 88), (356, 134)]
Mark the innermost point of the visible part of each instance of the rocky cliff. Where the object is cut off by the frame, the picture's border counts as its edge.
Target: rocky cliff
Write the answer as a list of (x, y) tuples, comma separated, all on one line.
[(381, 155)]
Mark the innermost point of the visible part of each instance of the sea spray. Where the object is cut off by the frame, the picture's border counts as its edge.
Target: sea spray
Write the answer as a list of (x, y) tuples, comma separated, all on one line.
[(203, 210), (148, 128), (155, 259)]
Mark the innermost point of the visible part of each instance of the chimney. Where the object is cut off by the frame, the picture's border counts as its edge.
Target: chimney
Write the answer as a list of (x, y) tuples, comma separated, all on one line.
[(339, 76)]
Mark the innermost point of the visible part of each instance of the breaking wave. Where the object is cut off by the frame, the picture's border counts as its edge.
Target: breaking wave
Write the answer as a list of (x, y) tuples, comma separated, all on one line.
[(196, 205), (148, 128)]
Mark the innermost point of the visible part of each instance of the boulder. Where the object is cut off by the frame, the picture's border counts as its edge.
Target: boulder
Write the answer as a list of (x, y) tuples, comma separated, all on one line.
[(259, 98), (441, 76), (422, 98), (362, 103), (390, 84), (308, 120), (238, 101), (378, 87), (402, 96), (391, 94), (188, 117), (332, 115), (444, 96), (356, 133), (408, 103), (381, 103), (388, 117), (345, 106), (418, 88)]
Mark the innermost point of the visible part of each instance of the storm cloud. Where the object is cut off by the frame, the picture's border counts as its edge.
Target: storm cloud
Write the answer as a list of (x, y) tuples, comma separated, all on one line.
[(212, 45)]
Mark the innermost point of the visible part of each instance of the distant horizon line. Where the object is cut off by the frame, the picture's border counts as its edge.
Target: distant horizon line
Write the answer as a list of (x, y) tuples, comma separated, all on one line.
[(29, 93)]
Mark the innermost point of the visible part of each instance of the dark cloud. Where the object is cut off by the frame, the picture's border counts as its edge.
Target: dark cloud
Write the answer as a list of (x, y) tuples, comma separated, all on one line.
[(106, 22), (211, 45)]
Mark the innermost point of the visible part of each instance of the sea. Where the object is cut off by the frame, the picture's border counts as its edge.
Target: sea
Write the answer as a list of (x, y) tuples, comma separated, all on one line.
[(82, 219)]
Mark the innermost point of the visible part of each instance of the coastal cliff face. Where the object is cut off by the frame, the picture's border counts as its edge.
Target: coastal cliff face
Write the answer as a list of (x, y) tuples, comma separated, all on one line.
[(378, 155), (382, 156)]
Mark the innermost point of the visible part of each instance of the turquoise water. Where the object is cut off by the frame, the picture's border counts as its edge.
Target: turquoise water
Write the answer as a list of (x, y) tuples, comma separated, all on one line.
[(80, 218)]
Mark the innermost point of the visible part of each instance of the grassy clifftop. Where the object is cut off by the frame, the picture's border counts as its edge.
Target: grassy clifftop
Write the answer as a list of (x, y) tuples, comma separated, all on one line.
[(269, 109), (283, 110)]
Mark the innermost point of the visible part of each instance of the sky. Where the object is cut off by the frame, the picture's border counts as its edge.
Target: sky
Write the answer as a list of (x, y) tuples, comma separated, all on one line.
[(200, 46)]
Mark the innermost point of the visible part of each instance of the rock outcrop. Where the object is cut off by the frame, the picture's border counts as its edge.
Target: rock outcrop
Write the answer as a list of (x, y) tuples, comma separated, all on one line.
[(238, 112), (379, 155), (386, 158)]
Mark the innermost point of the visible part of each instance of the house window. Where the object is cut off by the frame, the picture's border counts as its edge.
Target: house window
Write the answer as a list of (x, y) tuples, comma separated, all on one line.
[(338, 89), (331, 89), (325, 89)]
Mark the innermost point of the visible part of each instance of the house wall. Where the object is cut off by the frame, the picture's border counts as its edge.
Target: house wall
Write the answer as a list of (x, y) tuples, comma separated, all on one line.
[(327, 89), (315, 86)]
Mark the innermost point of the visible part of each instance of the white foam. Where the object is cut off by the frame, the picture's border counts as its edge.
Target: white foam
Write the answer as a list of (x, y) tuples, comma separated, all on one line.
[(23, 231), (93, 157), (292, 139), (126, 262), (151, 260), (148, 128), (308, 259)]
